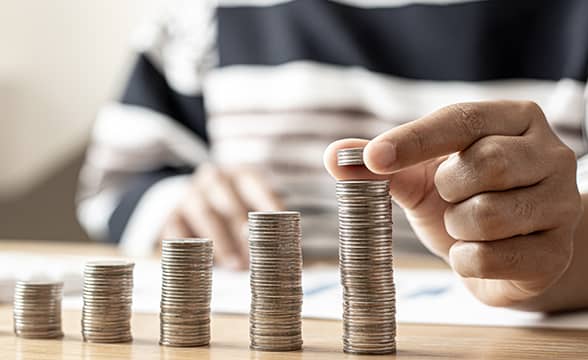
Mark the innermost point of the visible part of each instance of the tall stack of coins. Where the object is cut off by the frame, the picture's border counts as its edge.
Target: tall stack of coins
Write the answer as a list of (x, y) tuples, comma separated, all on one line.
[(108, 298), (276, 286), (37, 309), (365, 262), (186, 291)]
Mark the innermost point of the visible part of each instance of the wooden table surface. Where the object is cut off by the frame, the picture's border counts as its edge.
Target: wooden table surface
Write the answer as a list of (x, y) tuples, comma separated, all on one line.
[(322, 338)]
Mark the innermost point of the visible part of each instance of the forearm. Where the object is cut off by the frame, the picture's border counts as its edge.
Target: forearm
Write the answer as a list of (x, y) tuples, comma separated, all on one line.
[(570, 291)]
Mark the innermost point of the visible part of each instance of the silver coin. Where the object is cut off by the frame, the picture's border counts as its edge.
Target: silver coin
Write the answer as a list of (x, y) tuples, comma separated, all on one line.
[(350, 156)]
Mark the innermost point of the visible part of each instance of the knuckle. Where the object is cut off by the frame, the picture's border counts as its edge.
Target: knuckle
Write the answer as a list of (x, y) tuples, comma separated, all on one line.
[(492, 161), (485, 216), (479, 262), (511, 260), (489, 262), (469, 119), (531, 108), (528, 149), (452, 175), (524, 208), (486, 261), (566, 157)]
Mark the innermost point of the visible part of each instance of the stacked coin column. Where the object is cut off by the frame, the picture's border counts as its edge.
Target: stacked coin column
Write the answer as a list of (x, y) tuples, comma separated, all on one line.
[(185, 292), (37, 309), (365, 261), (108, 298), (275, 278)]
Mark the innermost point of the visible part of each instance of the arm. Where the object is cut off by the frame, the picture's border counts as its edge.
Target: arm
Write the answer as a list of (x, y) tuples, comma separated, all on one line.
[(143, 144), (146, 147)]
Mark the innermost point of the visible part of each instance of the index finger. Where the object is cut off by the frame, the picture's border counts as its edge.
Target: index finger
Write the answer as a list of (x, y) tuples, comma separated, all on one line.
[(448, 130)]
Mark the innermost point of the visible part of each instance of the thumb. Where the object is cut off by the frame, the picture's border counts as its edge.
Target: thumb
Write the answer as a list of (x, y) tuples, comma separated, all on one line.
[(408, 187), (412, 188)]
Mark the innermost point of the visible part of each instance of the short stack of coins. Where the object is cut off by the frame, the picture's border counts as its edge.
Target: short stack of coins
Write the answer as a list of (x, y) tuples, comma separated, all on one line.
[(365, 261), (37, 309), (108, 298), (186, 292), (275, 253)]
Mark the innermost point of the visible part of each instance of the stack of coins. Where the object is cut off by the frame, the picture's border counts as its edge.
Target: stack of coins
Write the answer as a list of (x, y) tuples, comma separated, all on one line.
[(186, 291), (275, 277), (108, 297), (37, 309), (352, 156), (365, 261)]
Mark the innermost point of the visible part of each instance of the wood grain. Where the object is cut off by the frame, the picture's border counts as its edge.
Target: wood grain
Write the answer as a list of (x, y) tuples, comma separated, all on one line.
[(322, 338)]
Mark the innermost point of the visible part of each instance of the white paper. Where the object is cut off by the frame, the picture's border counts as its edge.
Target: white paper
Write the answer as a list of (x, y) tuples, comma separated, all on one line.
[(423, 296)]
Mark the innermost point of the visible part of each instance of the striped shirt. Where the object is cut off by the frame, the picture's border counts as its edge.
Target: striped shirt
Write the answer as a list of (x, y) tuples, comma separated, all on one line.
[(271, 83)]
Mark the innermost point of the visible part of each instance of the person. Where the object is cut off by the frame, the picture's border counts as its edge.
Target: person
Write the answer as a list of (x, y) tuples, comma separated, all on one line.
[(475, 111)]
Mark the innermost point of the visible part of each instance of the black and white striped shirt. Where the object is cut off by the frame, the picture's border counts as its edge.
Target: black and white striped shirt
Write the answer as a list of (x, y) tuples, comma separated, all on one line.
[(273, 82)]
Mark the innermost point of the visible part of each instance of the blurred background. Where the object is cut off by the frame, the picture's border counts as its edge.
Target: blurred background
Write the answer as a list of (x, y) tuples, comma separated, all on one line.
[(60, 60)]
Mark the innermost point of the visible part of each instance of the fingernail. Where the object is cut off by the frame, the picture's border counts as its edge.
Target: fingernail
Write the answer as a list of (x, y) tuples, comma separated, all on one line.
[(382, 156)]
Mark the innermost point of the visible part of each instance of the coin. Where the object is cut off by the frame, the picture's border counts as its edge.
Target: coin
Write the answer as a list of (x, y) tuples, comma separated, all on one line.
[(365, 261), (350, 156), (186, 292)]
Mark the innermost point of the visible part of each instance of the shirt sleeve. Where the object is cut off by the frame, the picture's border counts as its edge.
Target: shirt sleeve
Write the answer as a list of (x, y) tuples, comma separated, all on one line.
[(144, 145), (582, 172)]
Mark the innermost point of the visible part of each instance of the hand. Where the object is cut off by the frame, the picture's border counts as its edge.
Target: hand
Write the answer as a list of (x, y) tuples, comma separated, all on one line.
[(488, 187), (216, 207)]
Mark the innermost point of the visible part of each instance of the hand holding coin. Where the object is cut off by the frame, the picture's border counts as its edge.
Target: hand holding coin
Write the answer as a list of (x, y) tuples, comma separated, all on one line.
[(487, 186)]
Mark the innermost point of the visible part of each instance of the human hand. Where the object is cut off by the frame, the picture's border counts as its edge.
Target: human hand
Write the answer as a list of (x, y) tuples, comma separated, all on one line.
[(488, 187), (216, 206)]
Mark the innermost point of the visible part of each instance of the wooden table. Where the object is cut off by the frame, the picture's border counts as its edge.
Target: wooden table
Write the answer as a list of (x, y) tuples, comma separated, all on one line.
[(322, 338)]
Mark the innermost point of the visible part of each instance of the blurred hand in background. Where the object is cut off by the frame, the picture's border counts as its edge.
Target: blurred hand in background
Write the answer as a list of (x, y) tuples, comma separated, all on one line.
[(216, 206)]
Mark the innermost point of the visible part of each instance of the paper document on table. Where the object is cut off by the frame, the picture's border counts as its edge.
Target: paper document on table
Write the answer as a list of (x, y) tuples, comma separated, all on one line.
[(423, 296)]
